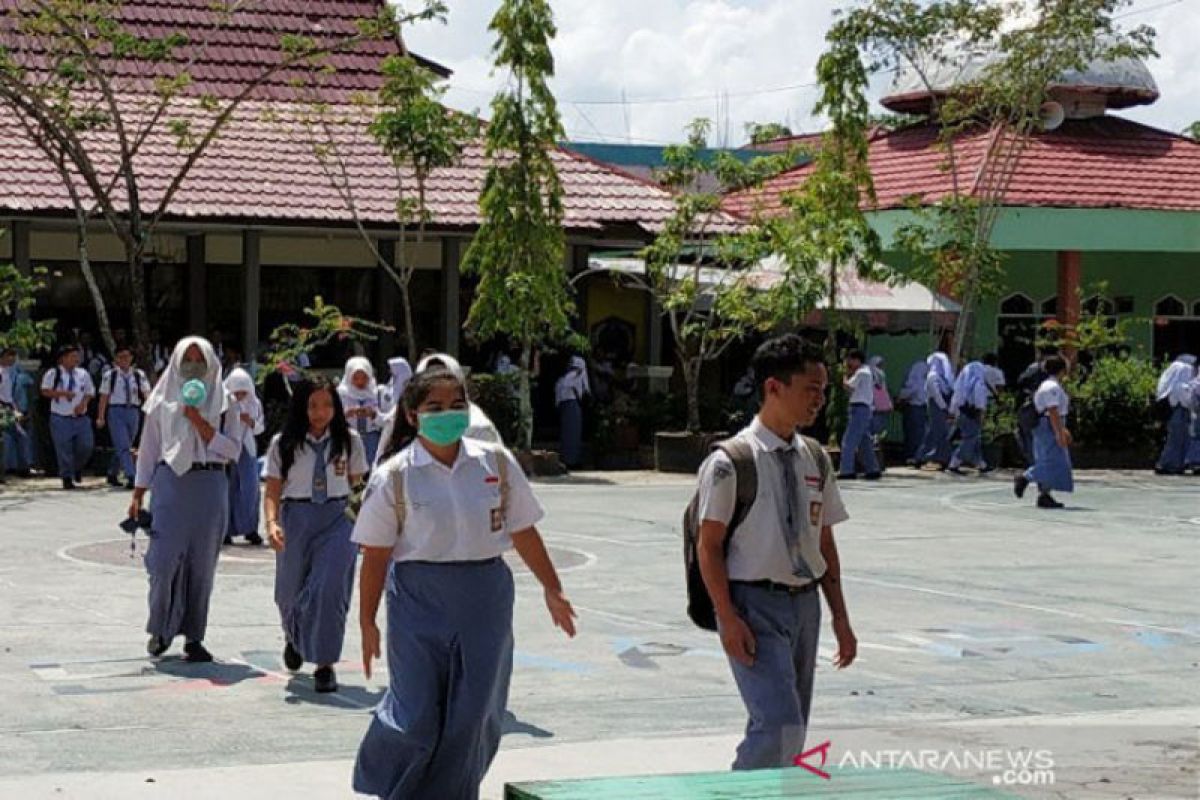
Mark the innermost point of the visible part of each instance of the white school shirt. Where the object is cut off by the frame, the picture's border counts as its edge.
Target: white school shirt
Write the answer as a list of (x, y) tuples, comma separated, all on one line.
[(373, 401), (453, 513), (117, 384), (254, 407), (224, 448), (862, 387), (1051, 394), (298, 484), (934, 390), (8, 378), (83, 388), (758, 549)]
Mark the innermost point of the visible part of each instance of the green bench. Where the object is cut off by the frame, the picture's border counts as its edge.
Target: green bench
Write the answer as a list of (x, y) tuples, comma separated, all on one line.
[(847, 784)]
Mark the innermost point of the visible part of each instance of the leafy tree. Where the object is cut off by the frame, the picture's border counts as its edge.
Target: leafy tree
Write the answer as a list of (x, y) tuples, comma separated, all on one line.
[(93, 92), (414, 130), (763, 132), (705, 270), (18, 293), (519, 250), (1193, 131), (1005, 67)]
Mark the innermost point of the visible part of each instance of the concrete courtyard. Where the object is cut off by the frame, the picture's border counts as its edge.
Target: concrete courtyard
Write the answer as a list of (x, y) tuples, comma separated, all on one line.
[(985, 626)]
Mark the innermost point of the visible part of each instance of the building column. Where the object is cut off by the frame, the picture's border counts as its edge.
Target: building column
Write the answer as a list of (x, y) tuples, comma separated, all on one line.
[(451, 284), (1070, 278), (197, 282), (20, 255), (386, 297), (251, 284)]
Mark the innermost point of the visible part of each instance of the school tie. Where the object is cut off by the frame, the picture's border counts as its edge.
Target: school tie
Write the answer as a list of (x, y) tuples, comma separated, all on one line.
[(71, 381), (128, 391), (362, 421), (791, 511), (320, 488)]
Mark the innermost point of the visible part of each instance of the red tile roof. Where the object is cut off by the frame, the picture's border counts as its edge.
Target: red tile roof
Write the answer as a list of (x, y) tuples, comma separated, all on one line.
[(226, 52), (1105, 162), (263, 169)]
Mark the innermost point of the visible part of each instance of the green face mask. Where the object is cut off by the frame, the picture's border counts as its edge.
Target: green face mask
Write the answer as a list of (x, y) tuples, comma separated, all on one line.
[(444, 427)]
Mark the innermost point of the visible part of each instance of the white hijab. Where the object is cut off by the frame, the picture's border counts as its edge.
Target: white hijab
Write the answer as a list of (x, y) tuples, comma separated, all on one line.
[(450, 361), (181, 445), (939, 363), (1176, 377), (970, 388), (347, 387), (239, 380), (401, 373)]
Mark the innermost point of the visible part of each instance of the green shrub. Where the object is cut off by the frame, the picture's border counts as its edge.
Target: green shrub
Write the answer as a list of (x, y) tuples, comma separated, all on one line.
[(1113, 403), (498, 396)]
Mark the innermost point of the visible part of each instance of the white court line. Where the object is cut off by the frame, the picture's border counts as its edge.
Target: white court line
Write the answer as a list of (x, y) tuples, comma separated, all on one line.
[(66, 556), (608, 540), (1026, 606), (287, 679)]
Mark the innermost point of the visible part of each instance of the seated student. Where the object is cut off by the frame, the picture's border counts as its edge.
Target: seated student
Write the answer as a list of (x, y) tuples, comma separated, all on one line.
[(312, 467), (69, 389), (243, 478), (433, 527), (123, 389)]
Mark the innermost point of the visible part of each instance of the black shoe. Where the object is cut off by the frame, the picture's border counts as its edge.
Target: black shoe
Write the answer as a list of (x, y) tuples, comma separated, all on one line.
[(79, 477), (1046, 501), (956, 470), (157, 646), (872, 476), (292, 659), (254, 539), (129, 485), (986, 470), (1020, 484), (112, 480), (196, 654), (852, 476), (25, 473), (228, 540), (325, 680), (68, 484)]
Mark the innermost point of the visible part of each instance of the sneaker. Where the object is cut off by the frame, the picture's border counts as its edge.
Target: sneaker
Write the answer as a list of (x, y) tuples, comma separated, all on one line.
[(254, 539), (292, 659), (157, 646), (196, 653), (1046, 501), (1020, 484), (325, 680)]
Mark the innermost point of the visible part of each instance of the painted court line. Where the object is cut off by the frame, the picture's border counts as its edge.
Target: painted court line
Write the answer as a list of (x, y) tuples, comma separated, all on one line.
[(1026, 606)]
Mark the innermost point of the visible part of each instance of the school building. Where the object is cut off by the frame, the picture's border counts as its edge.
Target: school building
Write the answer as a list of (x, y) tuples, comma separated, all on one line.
[(1102, 216)]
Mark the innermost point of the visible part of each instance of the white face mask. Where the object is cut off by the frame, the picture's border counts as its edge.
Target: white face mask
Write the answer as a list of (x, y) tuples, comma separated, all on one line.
[(193, 370)]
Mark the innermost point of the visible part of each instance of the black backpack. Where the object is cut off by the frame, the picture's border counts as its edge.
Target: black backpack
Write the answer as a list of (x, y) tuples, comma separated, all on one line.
[(699, 605)]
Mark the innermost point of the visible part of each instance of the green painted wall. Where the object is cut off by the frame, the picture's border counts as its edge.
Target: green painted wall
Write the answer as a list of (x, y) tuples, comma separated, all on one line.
[(899, 352)]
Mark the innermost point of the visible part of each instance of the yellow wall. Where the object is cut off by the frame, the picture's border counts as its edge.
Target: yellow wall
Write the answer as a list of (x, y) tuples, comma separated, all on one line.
[(606, 299)]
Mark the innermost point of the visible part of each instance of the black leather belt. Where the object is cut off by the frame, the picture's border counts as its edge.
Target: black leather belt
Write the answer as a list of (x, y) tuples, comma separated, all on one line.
[(203, 466), (310, 500), (781, 588)]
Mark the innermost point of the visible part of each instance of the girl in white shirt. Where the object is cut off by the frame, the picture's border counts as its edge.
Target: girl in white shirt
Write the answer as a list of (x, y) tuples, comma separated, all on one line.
[(360, 399), (243, 478), (434, 524), (312, 467), (183, 461), (1051, 469)]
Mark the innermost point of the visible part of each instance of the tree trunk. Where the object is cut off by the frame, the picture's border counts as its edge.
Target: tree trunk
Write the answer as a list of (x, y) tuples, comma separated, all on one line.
[(89, 277), (691, 377), (410, 334), (526, 399), (137, 305), (964, 328)]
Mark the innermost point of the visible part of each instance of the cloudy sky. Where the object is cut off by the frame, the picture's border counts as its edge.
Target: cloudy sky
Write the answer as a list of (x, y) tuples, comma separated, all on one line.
[(639, 70)]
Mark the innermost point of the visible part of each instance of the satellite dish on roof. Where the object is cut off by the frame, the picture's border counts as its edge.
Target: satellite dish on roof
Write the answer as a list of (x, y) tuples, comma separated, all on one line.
[(1052, 115)]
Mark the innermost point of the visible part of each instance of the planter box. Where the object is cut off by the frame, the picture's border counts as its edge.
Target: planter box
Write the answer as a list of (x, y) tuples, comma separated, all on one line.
[(541, 463), (683, 451)]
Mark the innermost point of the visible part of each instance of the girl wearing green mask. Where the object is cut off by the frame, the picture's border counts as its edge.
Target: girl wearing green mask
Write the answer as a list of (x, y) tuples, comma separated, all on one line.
[(433, 527)]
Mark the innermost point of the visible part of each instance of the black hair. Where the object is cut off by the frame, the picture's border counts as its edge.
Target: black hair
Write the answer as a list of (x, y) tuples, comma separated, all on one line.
[(989, 359), (295, 427), (1055, 365), (857, 355), (782, 357), (66, 348), (122, 348), (8, 351), (415, 393)]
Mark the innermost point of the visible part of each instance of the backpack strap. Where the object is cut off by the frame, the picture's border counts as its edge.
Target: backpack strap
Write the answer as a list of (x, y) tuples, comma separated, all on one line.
[(502, 470), (821, 457), (401, 502), (741, 453)]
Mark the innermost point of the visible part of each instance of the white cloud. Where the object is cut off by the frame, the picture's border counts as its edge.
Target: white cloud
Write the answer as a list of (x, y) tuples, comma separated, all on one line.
[(715, 58)]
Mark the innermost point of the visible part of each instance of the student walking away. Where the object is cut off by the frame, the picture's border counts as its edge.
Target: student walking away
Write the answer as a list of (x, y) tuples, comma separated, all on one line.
[(312, 467), (160, 353), (480, 427), (1028, 383), (762, 525), (188, 442), (569, 392), (856, 442), (91, 357), (360, 398), (881, 399), (1174, 397), (14, 400), (1193, 457), (123, 389), (399, 374), (70, 389), (1051, 469), (434, 525), (912, 408), (244, 476), (968, 404), (939, 388)]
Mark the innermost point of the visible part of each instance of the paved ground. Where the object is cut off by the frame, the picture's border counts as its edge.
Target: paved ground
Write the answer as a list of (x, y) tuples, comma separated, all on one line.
[(988, 630)]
